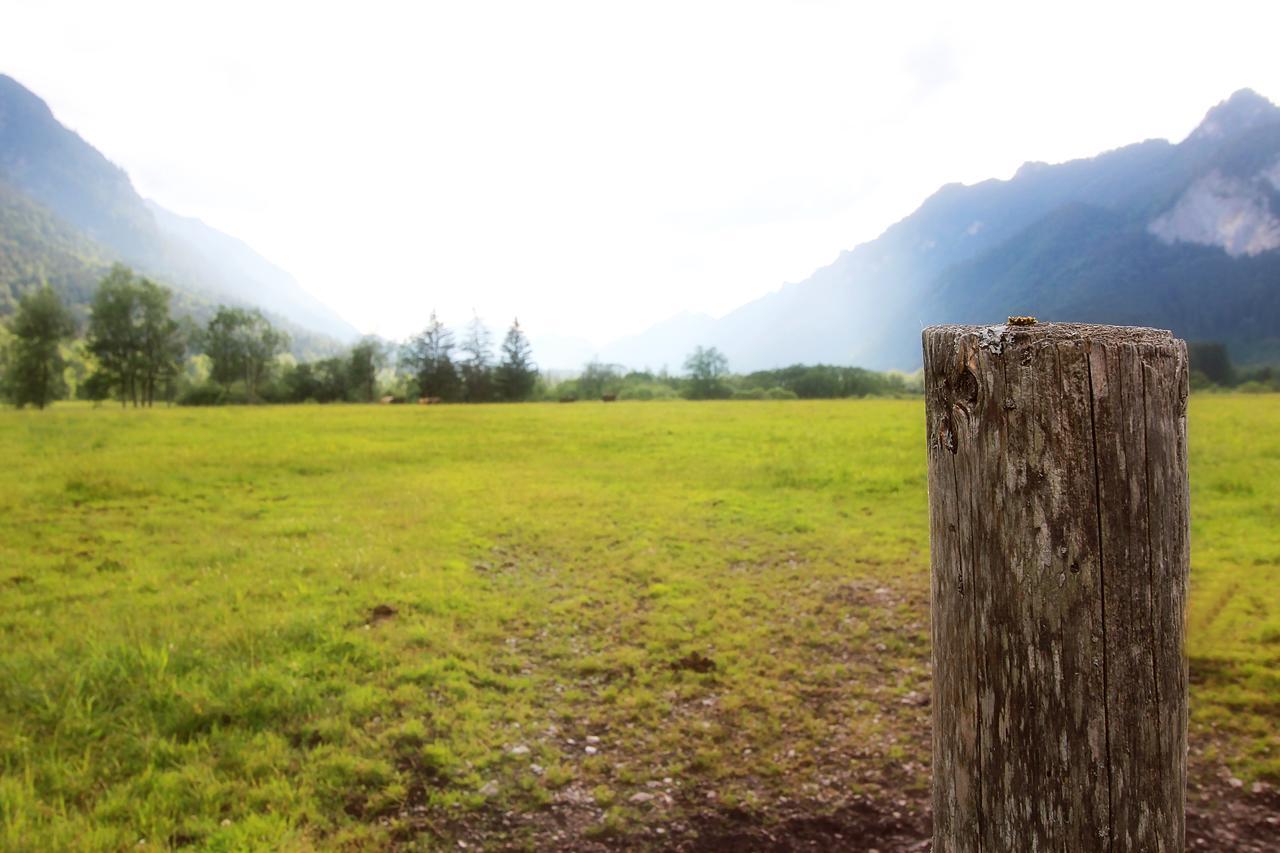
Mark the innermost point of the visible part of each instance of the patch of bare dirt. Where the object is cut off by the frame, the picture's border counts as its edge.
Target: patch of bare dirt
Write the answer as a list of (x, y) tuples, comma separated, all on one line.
[(861, 824), (1220, 816), (381, 612), (694, 662), (1230, 815)]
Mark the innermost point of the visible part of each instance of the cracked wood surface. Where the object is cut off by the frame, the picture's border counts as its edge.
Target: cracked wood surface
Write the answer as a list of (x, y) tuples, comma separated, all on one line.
[(1058, 511)]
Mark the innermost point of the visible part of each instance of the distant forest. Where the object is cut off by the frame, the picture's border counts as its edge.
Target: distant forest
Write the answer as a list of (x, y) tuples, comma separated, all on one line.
[(1212, 370), (131, 349)]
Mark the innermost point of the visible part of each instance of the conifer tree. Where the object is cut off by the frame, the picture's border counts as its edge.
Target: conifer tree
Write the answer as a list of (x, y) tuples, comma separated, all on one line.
[(429, 355), (516, 374), (477, 369)]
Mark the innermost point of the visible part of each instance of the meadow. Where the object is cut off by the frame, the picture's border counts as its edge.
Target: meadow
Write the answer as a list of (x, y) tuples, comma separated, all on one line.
[(358, 626)]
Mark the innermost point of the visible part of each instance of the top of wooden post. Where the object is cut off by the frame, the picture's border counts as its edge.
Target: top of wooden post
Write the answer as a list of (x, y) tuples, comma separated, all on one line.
[(996, 335)]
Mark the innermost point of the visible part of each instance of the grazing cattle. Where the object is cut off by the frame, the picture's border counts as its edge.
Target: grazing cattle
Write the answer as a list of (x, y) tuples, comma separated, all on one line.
[(610, 398), (429, 401), (390, 398), (568, 399)]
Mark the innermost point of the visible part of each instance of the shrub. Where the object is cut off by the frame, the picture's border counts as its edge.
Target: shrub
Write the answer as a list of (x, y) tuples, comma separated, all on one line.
[(646, 391), (207, 394)]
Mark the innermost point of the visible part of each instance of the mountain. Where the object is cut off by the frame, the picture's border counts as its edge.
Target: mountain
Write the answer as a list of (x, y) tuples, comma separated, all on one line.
[(675, 337), (248, 277), (1183, 236), (36, 244), (67, 213)]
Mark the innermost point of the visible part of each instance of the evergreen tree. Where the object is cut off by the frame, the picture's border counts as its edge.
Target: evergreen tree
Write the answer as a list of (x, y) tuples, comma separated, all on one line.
[(34, 364), (516, 373), (477, 368), (429, 355)]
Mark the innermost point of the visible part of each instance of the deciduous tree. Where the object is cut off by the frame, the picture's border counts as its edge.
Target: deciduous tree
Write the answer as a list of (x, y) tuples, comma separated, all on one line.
[(33, 362), (242, 344), (598, 379), (707, 368), (367, 358), (114, 337), (160, 340), (137, 344)]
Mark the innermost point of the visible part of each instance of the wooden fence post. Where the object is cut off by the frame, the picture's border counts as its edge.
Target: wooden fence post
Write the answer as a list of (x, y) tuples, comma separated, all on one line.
[(1058, 514)]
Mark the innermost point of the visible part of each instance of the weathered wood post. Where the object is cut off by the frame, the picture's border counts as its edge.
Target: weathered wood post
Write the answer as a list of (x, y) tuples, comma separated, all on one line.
[(1058, 519)]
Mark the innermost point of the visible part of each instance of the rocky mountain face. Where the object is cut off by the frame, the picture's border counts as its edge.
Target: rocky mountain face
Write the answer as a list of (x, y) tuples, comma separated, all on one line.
[(1233, 213), (1182, 236), (67, 213)]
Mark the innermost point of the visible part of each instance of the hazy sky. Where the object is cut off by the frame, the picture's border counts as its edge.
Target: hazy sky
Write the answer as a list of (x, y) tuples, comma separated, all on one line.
[(595, 167)]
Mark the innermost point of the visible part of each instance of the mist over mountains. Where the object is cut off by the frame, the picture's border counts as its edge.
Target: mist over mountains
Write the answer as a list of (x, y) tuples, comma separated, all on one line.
[(1179, 236), (1183, 236), (67, 213)]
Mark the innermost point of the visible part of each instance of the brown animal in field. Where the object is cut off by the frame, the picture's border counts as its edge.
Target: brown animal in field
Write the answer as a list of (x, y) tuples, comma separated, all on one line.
[(429, 401), (568, 399), (610, 398), (387, 400)]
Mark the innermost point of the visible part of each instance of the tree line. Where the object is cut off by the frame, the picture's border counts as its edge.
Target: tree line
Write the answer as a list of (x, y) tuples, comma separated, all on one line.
[(135, 345), (1212, 370), (465, 372), (134, 351), (707, 376)]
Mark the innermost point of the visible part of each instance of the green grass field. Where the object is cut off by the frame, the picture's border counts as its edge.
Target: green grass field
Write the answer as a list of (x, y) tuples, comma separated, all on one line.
[(350, 626)]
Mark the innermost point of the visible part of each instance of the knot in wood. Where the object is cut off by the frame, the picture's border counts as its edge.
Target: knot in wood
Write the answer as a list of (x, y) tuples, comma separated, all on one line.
[(946, 435), (966, 387)]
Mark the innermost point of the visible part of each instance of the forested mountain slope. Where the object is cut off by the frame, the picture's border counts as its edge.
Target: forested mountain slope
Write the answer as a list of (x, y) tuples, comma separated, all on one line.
[(66, 213)]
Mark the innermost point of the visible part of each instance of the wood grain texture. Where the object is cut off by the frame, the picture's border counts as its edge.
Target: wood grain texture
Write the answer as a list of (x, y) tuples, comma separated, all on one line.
[(1059, 551)]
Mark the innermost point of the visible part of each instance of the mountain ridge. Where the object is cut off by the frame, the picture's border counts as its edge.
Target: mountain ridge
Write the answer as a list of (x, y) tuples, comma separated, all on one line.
[(868, 306), (1184, 235), (69, 181)]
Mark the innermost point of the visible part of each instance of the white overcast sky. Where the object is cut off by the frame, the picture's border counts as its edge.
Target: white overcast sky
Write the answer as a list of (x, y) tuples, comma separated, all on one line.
[(595, 167)]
